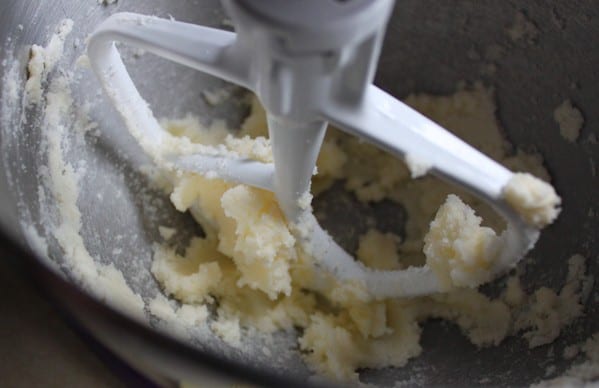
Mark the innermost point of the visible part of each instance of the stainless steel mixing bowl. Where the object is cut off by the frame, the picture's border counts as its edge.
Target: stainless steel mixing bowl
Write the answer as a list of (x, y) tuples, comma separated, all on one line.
[(430, 47)]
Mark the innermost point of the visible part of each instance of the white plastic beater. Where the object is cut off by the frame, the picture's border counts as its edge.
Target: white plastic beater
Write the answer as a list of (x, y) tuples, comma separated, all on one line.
[(310, 62)]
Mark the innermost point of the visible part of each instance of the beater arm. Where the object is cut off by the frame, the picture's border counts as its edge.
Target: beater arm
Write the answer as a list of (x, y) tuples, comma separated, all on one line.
[(309, 62)]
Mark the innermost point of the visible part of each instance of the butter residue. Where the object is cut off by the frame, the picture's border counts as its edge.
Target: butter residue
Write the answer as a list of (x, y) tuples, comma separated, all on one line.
[(584, 374), (570, 120), (417, 166), (379, 250), (43, 60), (547, 311), (523, 29)]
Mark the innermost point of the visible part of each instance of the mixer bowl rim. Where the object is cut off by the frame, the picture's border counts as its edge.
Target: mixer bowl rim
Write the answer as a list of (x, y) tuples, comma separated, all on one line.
[(73, 303)]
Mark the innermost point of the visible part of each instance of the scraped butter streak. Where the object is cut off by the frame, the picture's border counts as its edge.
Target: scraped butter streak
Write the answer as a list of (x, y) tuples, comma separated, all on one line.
[(52, 96), (248, 268), (43, 60)]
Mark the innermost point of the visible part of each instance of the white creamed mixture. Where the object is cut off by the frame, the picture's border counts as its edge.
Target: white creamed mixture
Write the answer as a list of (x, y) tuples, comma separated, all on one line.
[(250, 264), (250, 269)]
